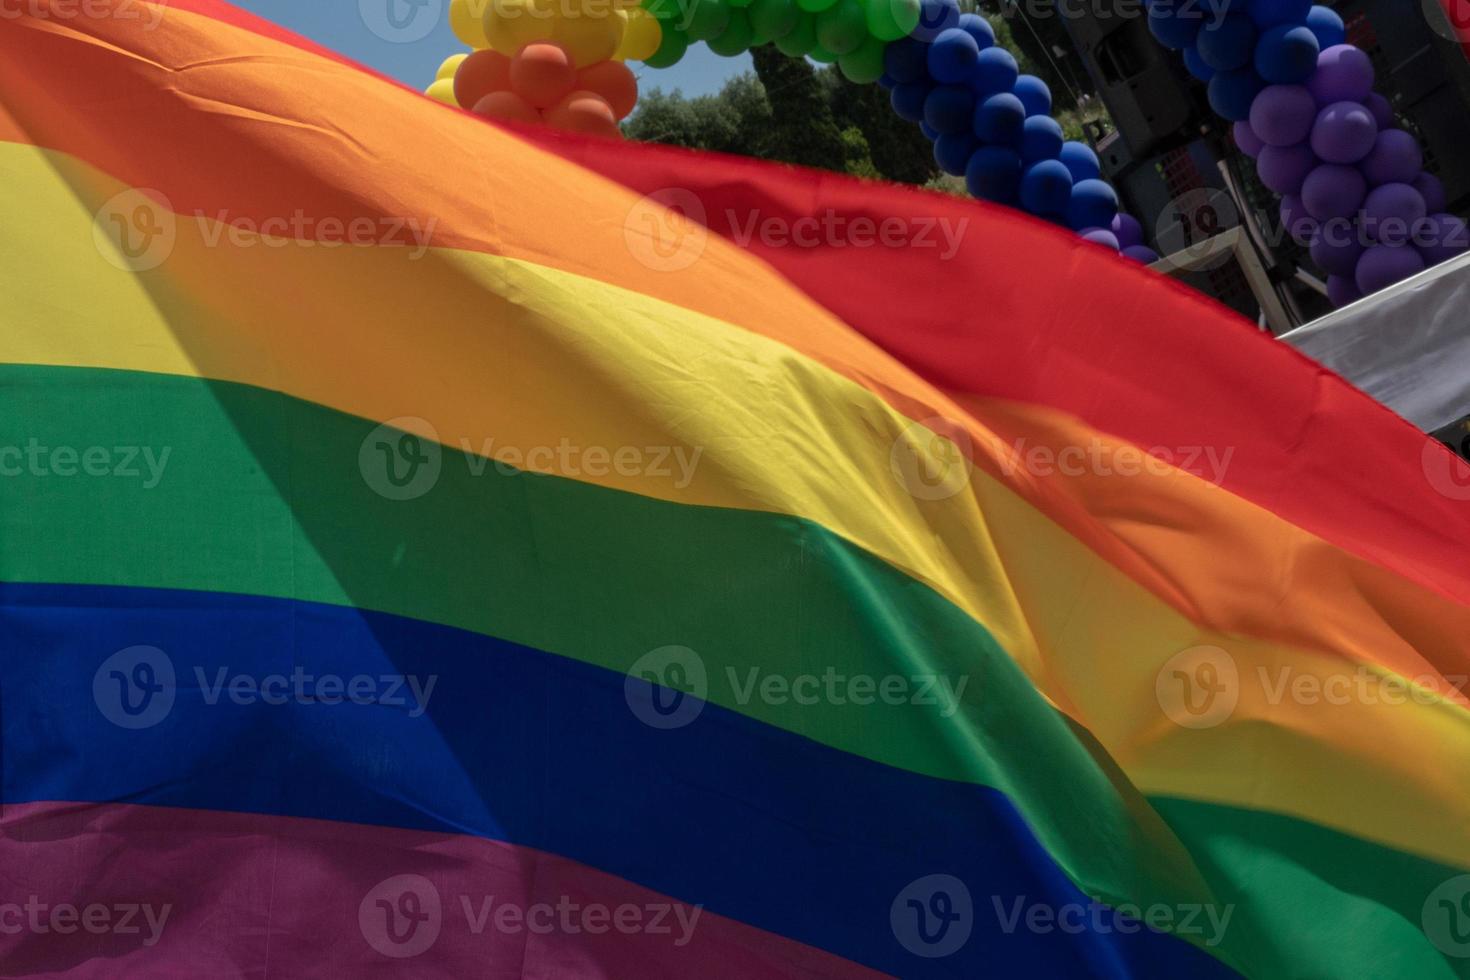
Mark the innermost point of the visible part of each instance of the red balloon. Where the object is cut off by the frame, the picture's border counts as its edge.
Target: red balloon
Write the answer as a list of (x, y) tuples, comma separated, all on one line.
[(480, 74), (584, 112), (542, 73), (507, 106), (614, 82)]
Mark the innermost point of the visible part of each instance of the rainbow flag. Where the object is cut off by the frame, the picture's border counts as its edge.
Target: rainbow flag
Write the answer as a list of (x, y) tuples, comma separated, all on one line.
[(423, 551)]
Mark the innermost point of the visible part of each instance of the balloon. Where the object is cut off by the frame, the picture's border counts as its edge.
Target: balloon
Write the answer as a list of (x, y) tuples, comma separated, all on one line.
[(1333, 191), (995, 71), (1283, 115), (1269, 13), (642, 36), (864, 65), (1344, 74), (1390, 212), (994, 174), (672, 44), (1093, 203), (449, 66), (952, 56), (1395, 158), (1383, 265), (952, 152), (1284, 168), (1440, 237), (1337, 250), (706, 19), (821, 55), (1046, 188), (591, 33), (905, 60), (506, 106), (842, 27), (512, 24), (1196, 65), (1431, 190), (1174, 23), (908, 100), (1328, 26), (1100, 236), (1287, 55), (1228, 43), (736, 37), (1127, 229), (1246, 139), (814, 6), (1382, 111), (1041, 139), (442, 90), (1141, 254), (1080, 160), (542, 74), (889, 20), (979, 28), (1344, 133), (467, 21), (1342, 290), (774, 18), (1232, 92), (664, 10), (614, 82), (1301, 226), (801, 39), (999, 119), (949, 109), (584, 112), (480, 74), (1034, 94), (935, 17), (930, 134)]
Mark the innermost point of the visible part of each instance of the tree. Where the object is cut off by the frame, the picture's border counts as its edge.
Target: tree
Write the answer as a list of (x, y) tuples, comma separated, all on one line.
[(802, 128)]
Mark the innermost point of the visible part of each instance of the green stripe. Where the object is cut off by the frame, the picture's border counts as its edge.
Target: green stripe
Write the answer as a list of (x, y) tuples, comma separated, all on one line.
[(262, 494)]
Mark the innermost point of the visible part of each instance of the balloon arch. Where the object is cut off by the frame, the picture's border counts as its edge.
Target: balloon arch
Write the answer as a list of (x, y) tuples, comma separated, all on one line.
[(1301, 100)]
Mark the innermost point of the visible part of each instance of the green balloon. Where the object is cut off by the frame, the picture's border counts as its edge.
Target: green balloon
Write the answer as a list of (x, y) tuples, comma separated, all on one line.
[(707, 18), (739, 3), (662, 10), (865, 65), (842, 27), (800, 39), (735, 38), (814, 6), (670, 49), (774, 19), (889, 20), (822, 55)]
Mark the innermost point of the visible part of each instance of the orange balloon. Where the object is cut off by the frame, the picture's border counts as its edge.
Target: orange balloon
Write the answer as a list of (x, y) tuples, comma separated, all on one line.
[(507, 106), (614, 82), (584, 112), (480, 74), (542, 74)]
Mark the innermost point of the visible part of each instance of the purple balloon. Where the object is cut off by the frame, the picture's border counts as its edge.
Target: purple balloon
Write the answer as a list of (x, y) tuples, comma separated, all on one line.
[(1302, 227), (1382, 111), (1100, 236), (1342, 290), (1282, 115), (1432, 191), (1344, 133), (1395, 159), (1384, 265), (1391, 211), (1283, 168), (1141, 253), (1333, 191), (1344, 74), (1250, 144), (1128, 230), (1440, 237), (1338, 249)]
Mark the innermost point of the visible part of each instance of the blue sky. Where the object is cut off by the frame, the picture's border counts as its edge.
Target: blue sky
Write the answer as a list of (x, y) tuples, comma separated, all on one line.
[(409, 43)]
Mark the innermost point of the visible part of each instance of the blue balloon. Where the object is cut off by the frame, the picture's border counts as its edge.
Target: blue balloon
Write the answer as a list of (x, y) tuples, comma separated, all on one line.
[(1287, 55), (1196, 65), (1081, 161), (1041, 139), (1034, 94), (952, 152), (950, 109), (994, 174), (979, 28), (886, 82), (935, 17), (1270, 13), (1094, 204), (930, 133), (1328, 26), (1232, 92), (999, 119), (1228, 44), (1174, 23), (908, 100), (1046, 188), (906, 60), (995, 71), (952, 56)]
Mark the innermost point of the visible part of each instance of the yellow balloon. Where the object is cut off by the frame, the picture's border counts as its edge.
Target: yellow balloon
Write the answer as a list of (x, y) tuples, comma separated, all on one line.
[(512, 24), (466, 19), (641, 36), (450, 66), (590, 34), (442, 91)]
